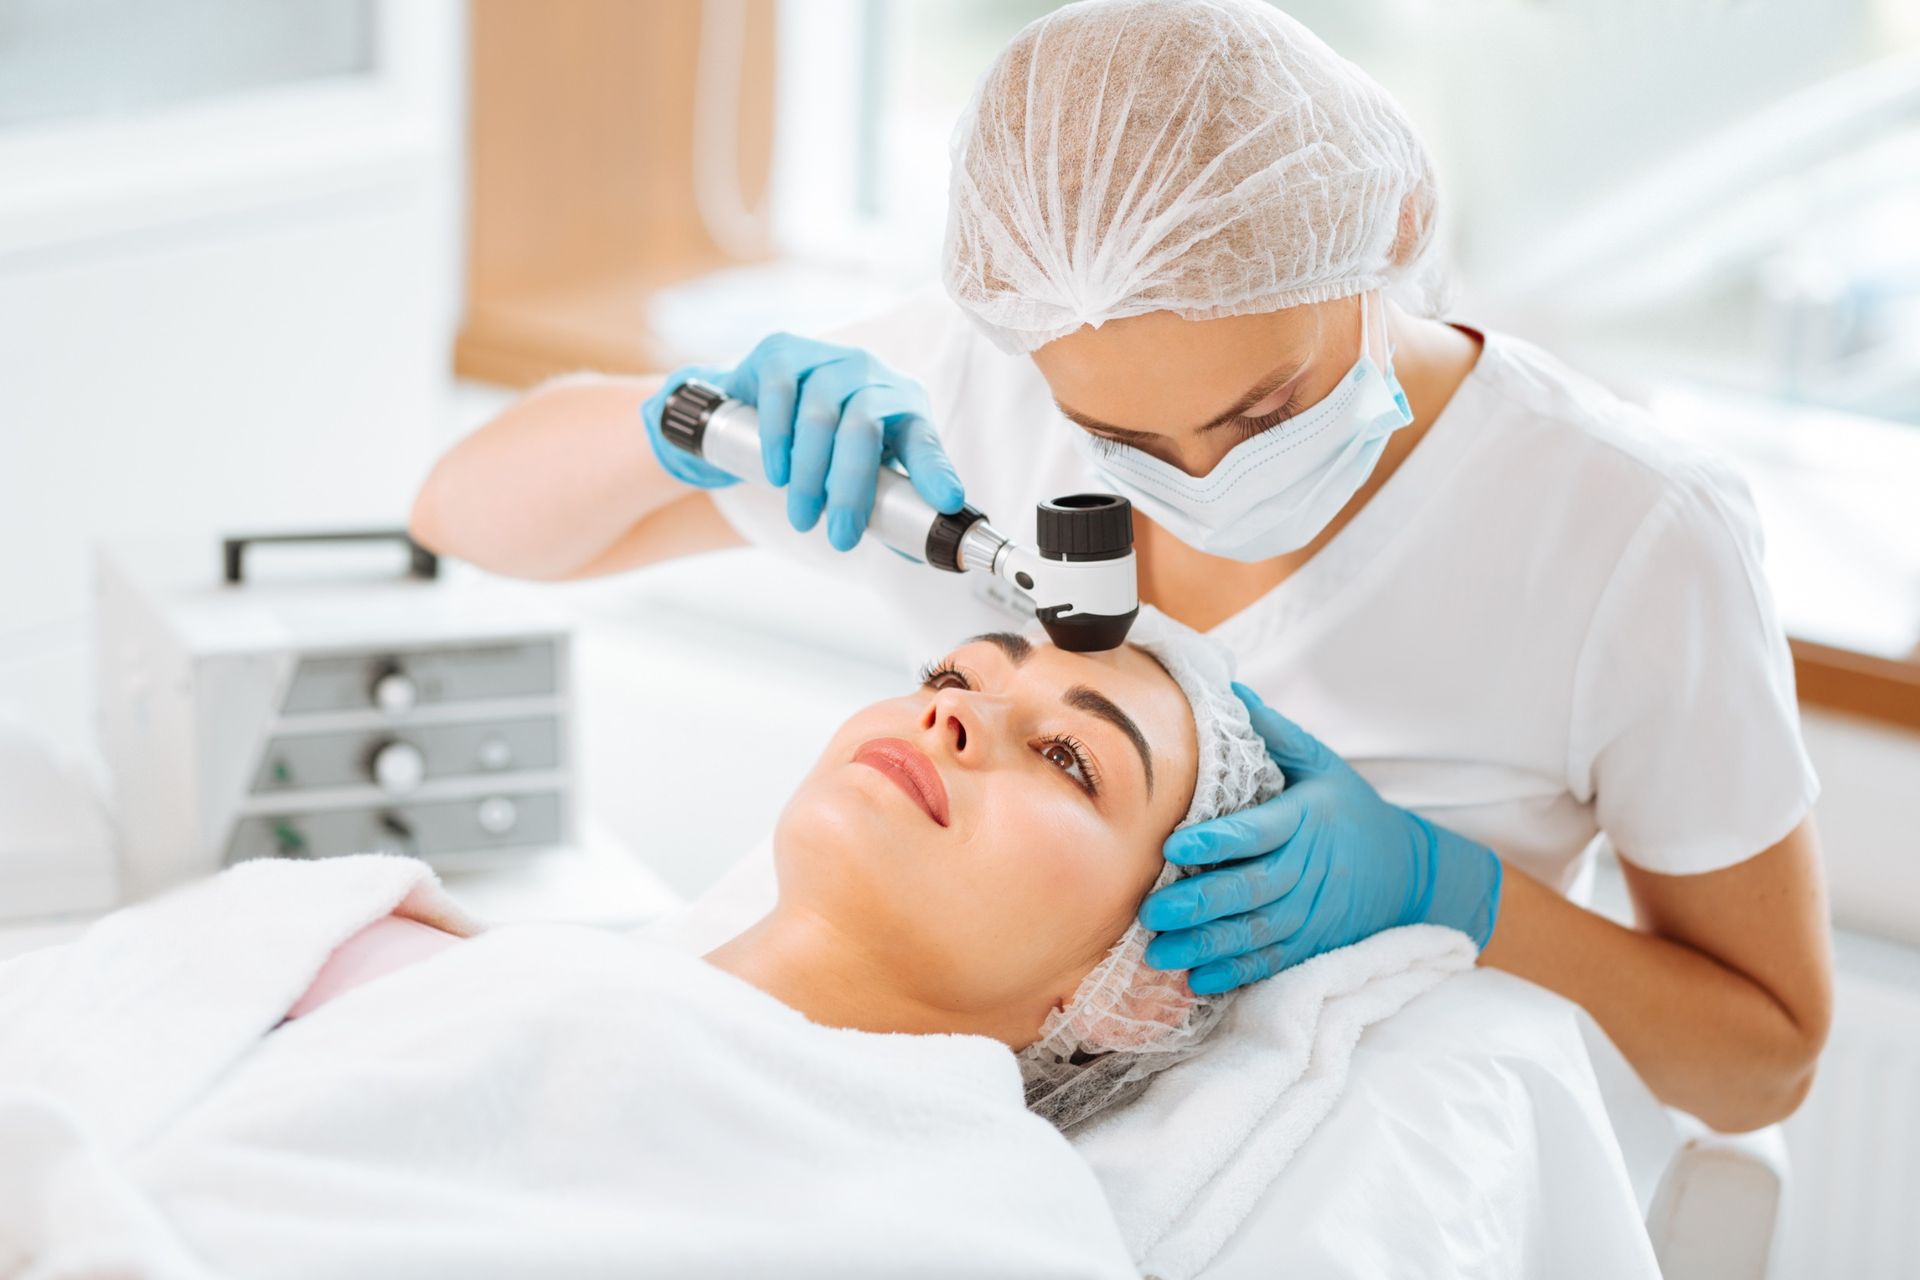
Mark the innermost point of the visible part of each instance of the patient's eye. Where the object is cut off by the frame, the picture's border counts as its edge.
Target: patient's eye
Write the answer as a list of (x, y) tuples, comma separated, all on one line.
[(943, 675), (1063, 751), (1071, 759)]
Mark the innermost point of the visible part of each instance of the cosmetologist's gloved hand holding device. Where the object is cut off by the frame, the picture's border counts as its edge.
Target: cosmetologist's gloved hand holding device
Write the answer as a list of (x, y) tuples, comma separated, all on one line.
[(1323, 864), (830, 417)]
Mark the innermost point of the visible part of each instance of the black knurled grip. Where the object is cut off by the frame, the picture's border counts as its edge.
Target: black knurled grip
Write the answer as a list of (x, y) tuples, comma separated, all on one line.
[(943, 538), (683, 421)]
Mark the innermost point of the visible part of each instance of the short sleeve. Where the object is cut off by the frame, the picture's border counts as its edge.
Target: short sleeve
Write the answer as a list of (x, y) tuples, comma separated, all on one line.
[(1685, 728)]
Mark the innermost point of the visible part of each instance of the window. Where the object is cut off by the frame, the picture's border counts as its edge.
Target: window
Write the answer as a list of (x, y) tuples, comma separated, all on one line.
[(61, 59)]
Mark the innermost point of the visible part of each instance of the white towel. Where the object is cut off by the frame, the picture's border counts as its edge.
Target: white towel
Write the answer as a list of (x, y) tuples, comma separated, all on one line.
[(538, 1100), (1183, 1164)]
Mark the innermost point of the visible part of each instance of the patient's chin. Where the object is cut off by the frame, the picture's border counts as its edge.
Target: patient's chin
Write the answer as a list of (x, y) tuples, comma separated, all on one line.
[(861, 807), (837, 839)]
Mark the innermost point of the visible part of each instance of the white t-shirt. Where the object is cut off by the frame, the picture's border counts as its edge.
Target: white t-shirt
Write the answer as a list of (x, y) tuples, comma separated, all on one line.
[(1548, 624)]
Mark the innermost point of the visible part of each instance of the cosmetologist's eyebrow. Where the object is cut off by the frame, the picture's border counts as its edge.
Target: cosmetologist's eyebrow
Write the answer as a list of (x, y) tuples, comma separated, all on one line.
[(1096, 703), (1259, 391)]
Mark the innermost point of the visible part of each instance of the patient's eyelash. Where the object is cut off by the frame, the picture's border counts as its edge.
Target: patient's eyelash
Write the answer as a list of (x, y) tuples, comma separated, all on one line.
[(1089, 781), (943, 675), (934, 672)]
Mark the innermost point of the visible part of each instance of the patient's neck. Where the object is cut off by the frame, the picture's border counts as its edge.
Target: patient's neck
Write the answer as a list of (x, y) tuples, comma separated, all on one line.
[(803, 961)]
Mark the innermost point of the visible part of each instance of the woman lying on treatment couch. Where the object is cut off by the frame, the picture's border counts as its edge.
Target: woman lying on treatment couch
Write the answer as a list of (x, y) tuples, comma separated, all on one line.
[(247, 1077)]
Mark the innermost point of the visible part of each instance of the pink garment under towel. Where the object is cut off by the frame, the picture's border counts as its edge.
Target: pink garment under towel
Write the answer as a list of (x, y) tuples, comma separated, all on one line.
[(389, 943)]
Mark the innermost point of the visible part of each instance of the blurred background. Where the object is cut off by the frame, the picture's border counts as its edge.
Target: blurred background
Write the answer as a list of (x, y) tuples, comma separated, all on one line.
[(260, 263)]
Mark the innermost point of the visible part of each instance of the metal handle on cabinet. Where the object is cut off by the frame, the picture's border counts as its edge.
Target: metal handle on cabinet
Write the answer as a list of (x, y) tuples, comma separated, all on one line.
[(421, 563)]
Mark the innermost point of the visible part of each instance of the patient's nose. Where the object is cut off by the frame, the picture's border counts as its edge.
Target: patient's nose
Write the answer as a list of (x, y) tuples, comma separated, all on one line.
[(956, 723)]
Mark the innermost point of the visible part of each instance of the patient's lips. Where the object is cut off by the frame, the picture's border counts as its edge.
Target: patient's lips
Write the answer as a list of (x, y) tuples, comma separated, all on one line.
[(910, 770)]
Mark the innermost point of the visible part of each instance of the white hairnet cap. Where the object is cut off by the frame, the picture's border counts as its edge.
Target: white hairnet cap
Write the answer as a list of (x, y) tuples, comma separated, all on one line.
[(1204, 157), (1128, 1021)]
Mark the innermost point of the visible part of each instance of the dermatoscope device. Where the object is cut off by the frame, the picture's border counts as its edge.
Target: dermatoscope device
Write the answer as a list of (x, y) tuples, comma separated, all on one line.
[(1080, 575)]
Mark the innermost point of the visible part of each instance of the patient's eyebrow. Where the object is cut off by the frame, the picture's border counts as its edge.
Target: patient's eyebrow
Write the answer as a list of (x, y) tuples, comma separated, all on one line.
[(1097, 703), (1016, 647)]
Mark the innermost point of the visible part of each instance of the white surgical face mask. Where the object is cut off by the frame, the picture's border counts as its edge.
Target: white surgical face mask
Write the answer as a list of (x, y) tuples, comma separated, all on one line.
[(1277, 491)]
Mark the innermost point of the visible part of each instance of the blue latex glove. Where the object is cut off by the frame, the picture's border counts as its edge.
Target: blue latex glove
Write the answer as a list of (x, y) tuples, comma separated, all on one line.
[(1323, 864), (830, 418)]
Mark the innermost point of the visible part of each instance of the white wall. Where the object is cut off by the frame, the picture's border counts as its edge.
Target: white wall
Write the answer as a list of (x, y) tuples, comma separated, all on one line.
[(233, 315)]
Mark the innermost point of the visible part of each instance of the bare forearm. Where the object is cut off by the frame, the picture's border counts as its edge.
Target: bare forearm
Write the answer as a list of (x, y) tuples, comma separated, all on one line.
[(551, 484), (1705, 1037)]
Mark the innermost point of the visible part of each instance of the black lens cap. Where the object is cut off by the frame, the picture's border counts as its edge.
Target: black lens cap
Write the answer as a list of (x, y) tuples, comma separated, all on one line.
[(1084, 526)]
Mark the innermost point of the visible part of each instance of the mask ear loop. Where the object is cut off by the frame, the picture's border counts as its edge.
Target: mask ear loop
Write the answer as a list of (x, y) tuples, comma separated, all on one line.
[(1386, 362), (1366, 331)]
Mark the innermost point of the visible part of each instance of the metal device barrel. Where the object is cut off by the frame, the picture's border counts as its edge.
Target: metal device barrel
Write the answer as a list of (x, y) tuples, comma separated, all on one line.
[(1080, 578), (705, 422)]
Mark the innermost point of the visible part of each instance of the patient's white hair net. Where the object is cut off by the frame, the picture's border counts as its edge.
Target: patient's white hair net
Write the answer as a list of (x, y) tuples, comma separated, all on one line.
[(1128, 1021), (1204, 157)]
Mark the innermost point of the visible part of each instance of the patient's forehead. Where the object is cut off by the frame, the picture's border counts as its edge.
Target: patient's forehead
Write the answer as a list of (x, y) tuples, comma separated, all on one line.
[(1125, 663)]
